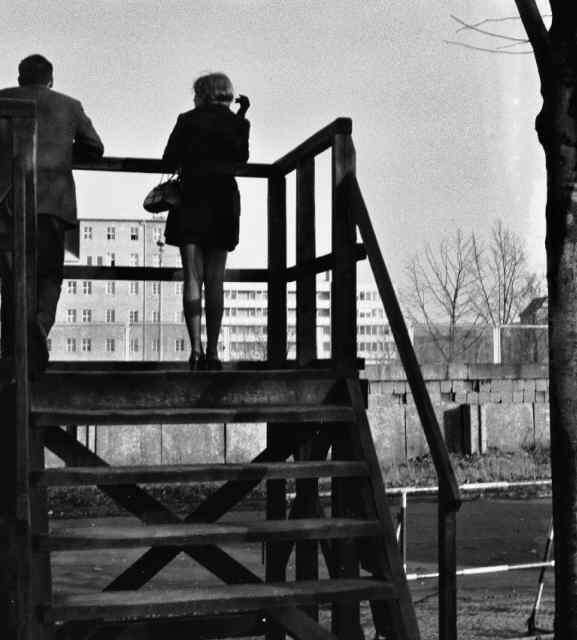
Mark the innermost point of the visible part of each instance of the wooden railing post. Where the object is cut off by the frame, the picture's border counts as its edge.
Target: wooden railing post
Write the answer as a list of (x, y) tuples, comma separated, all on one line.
[(276, 498), (306, 296), (19, 586), (447, 554), (277, 297), (344, 287)]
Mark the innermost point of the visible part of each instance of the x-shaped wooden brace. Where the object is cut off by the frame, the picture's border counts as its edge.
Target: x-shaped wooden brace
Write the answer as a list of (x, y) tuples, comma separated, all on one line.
[(140, 503)]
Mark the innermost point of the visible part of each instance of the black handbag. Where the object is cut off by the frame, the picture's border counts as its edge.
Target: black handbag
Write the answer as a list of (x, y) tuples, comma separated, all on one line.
[(166, 195)]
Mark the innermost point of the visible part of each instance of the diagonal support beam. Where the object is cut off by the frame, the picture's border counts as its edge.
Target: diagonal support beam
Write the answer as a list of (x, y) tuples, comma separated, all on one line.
[(294, 621)]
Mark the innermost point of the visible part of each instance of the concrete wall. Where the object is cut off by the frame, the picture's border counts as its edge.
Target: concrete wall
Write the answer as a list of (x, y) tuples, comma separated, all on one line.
[(477, 406)]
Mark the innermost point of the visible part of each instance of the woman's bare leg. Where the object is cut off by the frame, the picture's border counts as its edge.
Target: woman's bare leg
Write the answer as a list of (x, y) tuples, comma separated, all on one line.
[(193, 271), (214, 267)]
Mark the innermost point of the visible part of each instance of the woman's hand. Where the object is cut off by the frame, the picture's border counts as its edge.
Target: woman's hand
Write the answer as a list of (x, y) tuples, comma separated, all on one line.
[(244, 103)]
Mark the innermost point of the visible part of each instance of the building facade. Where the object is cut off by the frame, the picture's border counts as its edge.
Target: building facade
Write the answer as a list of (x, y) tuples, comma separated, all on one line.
[(134, 320)]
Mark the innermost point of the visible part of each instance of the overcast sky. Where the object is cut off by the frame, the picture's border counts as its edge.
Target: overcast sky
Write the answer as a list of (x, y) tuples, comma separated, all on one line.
[(444, 135)]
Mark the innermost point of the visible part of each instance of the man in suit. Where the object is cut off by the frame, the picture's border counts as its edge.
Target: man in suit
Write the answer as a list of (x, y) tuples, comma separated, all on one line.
[(64, 133)]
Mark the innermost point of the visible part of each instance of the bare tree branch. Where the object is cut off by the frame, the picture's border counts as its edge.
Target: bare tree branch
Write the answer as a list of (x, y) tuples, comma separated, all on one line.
[(497, 50), (472, 27)]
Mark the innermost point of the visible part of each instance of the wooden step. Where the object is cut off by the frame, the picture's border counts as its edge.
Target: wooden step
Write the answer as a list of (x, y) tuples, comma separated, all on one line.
[(62, 538), (166, 474), (150, 390), (60, 416), (118, 606)]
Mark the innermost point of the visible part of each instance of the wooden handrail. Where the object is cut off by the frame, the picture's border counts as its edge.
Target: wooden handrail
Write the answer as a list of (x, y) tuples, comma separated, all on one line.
[(165, 274), (319, 264), (155, 165), (317, 143), (421, 397)]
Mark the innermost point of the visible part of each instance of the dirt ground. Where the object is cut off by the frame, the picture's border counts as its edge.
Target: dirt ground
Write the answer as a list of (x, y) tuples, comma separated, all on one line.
[(490, 532)]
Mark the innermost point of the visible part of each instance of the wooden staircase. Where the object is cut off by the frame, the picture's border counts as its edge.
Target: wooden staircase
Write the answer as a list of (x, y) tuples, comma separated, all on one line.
[(317, 429), (315, 417)]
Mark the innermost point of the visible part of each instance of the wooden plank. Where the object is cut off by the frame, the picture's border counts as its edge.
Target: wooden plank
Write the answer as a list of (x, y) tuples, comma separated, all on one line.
[(383, 558), (319, 265), (119, 417), (177, 389), (306, 293), (63, 538), (79, 476), (58, 366), (277, 291), (343, 285), (407, 354), (171, 603), (154, 165), (12, 108), (165, 274), (317, 143)]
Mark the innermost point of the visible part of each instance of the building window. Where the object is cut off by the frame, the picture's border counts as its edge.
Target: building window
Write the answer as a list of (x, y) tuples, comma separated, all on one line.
[(133, 260), (110, 315), (99, 261), (86, 345), (179, 316), (110, 345), (87, 233), (133, 287), (134, 345), (86, 315), (178, 287), (110, 287), (88, 261), (179, 345), (156, 316), (156, 260), (111, 233), (133, 316), (71, 287), (110, 258), (71, 315), (87, 287), (71, 345), (155, 345), (134, 233), (156, 288)]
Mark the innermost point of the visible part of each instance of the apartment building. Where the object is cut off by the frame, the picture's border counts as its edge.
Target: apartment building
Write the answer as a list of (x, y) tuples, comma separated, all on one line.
[(134, 320)]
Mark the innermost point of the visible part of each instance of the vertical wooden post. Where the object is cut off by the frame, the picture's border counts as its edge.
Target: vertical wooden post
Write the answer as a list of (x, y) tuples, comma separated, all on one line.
[(306, 311), (306, 551), (344, 287), (344, 504), (21, 608), (276, 502), (277, 298), (447, 540)]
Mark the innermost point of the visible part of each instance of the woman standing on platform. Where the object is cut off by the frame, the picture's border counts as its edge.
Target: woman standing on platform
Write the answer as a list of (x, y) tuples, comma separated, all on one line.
[(206, 226)]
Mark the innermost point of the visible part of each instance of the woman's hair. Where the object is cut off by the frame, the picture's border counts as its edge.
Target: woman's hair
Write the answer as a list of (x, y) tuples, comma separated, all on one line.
[(213, 87)]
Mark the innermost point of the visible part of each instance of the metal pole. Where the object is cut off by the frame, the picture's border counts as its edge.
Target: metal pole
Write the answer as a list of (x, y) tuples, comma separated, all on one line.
[(160, 246), (531, 621)]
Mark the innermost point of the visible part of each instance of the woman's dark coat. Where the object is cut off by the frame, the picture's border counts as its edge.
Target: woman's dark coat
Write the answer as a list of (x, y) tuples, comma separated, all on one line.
[(205, 138)]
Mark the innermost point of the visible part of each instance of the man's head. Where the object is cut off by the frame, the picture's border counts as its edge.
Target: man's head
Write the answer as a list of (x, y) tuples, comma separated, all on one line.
[(35, 69)]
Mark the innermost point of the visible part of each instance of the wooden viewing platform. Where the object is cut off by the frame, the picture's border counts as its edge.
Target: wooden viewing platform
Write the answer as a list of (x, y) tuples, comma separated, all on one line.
[(317, 427)]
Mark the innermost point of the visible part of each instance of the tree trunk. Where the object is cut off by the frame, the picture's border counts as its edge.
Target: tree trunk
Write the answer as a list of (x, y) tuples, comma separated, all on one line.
[(556, 126)]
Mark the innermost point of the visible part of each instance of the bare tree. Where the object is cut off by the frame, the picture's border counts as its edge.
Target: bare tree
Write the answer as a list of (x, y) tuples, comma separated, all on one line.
[(504, 284), (555, 52), (441, 284)]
